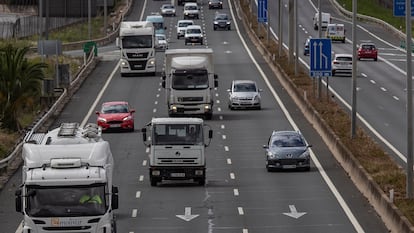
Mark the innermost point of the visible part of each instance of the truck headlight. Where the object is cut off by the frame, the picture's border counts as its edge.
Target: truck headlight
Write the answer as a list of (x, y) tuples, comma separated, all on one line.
[(198, 172), (124, 62), (155, 173)]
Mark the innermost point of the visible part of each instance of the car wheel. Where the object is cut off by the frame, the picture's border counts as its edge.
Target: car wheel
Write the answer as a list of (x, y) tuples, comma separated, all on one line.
[(201, 42), (333, 72), (228, 28), (375, 59), (269, 169)]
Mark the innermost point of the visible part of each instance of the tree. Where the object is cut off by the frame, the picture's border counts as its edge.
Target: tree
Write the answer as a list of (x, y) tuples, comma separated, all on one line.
[(20, 84)]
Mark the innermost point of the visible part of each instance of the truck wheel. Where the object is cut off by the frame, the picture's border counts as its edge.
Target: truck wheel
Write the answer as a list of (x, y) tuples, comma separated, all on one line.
[(153, 181), (209, 116), (113, 227)]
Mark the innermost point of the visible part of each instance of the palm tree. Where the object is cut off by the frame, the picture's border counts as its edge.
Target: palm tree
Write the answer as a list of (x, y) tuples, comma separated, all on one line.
[(20, 84)]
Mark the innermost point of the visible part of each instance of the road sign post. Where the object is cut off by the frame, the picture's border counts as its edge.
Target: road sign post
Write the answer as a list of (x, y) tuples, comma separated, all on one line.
[(320, 57), (262, 11)]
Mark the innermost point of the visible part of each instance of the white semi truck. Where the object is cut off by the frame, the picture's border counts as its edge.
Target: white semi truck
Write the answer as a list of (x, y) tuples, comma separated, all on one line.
[(189, 81), (67, 183), (177, 149), (137, 44)]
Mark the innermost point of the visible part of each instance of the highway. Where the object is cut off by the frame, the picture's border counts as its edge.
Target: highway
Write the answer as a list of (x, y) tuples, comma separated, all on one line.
[(381, 85), (239, 195)]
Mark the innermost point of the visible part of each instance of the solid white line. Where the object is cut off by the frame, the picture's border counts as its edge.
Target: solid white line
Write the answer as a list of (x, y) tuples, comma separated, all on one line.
[(315, 160)]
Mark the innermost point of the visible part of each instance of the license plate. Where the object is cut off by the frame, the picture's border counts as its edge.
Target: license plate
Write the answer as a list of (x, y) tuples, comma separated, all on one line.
[(137, 66), (289, 166), (115, 125), (177, 174)]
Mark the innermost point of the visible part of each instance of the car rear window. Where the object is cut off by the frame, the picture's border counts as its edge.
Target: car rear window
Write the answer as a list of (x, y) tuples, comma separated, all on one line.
[(368, 46), (344, 58)]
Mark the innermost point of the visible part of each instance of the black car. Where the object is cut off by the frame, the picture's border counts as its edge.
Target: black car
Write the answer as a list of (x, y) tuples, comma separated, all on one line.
[(215, 4), (222, 21), (287, 150)]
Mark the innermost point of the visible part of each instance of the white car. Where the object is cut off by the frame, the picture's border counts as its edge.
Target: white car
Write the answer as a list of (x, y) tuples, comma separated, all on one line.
[(193, 34), (167, 10), (182, 25), (342, 63), (161, 42), (191, 11)]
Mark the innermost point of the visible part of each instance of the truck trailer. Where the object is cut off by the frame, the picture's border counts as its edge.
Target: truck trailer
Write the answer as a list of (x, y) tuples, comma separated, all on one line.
[(189, 81), (177, 149), (67, 183)]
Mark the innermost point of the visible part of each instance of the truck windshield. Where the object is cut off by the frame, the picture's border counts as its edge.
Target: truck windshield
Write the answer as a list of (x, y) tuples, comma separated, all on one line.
[(144, 41), (66, 201), (190, 80), (177, 134)]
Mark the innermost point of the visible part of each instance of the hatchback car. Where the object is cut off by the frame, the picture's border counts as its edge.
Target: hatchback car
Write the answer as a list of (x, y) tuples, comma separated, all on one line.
[(222, 21), (342, 63), (182, 25), (367, 50), (244, 94), (167, 10), (116, 115), (287, 150), (193, 34), (191, 11), (161, 42), (215, 4)]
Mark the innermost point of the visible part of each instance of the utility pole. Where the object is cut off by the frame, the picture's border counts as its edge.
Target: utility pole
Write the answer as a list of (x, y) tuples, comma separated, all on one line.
[(354, 69), (280, 29), (409, 180), (291, 33)]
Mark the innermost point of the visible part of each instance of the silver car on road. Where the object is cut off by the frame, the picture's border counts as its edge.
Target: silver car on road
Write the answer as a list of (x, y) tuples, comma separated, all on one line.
[(244, 94)]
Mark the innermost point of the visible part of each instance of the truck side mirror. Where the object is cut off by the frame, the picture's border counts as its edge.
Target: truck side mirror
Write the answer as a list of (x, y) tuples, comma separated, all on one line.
[(18, 200), (115, 199), (144, 134)]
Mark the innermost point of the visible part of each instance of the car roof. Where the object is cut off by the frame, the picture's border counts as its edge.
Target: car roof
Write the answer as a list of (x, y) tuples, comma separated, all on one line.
[(286, 132), (185, 21), (193, 26), (115, 103), (343, 55), (190, 4), (167, 4), (243, 81)]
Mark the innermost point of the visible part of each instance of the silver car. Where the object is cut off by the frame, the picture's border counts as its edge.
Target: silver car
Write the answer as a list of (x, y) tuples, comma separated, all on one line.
[(167, 10), (244, 94), (342, 64), (287, 150)]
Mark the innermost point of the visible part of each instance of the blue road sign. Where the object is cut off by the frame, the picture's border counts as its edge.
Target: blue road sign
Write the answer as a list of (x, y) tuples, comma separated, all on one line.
[(320, 51), (262, 11), (399, 8)]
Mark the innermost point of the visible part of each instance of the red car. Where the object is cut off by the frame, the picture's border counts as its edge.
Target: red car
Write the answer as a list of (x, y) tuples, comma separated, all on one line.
[(367, 50), (116, 115)]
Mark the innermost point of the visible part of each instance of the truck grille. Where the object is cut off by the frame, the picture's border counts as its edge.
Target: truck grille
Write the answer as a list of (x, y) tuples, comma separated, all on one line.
[(137, 55), (190, 99), (177, 160)]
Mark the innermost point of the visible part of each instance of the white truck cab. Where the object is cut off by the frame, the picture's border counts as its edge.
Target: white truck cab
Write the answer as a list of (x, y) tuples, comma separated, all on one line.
[(177, 149), (326, 19), (336, 32), (67, 182)]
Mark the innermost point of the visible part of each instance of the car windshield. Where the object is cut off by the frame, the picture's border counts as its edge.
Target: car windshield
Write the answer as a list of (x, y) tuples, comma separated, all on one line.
[(137, 41), (168, 7), (245, 87), (193, 31), (287, 141), (221, 17), (190, 80), (177, 134), (184, 24), (160, 37), (73, 201), (191, 8), (368, 46), (116, 108), (344, 58)]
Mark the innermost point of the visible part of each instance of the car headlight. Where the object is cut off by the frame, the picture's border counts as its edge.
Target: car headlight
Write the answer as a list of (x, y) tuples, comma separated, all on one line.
[(100, 119), (256, 98), (215, 22), (228, 23), (305, 154), (270, 155), (127, 118)]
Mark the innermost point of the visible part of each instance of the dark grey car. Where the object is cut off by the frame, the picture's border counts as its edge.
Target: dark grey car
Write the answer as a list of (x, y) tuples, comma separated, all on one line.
[(287, 150), (221, 20)]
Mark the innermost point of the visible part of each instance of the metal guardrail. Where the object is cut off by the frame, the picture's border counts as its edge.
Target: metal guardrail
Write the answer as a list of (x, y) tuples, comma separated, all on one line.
[(80, 76), (74, 85)]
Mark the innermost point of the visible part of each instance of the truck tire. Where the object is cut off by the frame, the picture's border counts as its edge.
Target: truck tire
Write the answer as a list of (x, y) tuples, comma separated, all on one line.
[(201, 181), (209, 116), (153, 181)]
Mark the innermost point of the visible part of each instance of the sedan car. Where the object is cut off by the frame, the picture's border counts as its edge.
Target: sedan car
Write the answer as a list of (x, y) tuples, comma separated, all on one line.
[(116, 115), (287, 150), (342, 63), (222, 21), (367, 50), (193, 34), (215, 4), (167, 10), (244, 94)]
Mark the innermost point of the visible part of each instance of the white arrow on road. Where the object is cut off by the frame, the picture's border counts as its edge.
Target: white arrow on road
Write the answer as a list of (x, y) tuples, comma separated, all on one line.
[(187, 215), (294, 213)]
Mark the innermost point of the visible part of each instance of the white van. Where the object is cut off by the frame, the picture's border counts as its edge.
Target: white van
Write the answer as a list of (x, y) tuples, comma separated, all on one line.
[(336, 32), (326, 19)]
